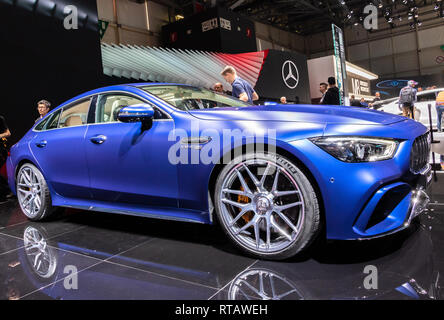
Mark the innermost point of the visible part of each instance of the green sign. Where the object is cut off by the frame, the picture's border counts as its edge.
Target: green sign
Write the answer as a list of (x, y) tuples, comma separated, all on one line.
[(442, 47), (340, 63), (103, 25)]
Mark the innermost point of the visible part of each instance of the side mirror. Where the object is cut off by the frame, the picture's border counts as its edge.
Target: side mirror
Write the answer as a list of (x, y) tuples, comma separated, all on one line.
[(136, 113)]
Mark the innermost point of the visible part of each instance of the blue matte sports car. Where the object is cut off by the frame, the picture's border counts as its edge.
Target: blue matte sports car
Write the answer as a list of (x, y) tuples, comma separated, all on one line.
[(273, 177)]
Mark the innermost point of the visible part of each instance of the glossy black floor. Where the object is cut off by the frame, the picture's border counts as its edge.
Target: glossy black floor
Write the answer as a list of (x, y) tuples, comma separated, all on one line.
[(122, 257)]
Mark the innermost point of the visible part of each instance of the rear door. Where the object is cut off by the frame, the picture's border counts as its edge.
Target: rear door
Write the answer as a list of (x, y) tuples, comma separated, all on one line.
[(59, 150)]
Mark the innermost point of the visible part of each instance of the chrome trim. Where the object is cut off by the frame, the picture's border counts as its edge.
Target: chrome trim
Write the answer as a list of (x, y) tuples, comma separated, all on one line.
[(195, 140)]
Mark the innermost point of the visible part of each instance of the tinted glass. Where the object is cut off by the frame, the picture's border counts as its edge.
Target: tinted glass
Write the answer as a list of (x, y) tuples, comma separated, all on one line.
[(75, 115), (193, 98)]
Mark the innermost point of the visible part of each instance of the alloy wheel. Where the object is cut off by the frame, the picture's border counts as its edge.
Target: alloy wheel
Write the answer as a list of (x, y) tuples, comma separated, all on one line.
[(29, 191), (262, 206)]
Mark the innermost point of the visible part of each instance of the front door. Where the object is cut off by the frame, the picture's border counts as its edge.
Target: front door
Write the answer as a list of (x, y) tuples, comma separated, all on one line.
[(128, 165)]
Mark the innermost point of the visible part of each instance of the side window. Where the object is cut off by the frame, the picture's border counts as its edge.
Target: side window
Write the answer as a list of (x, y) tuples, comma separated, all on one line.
[(49, 122), (53, 121), (108, 106), (75, 115)]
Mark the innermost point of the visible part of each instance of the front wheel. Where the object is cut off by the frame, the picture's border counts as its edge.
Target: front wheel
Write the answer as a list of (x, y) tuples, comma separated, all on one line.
[(267, 206), (33, 193)]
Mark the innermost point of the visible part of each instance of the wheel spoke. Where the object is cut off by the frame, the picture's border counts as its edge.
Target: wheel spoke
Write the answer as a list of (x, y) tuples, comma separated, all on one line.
[(266, 172), (276, 178), (234, 203), (268, 227), (284, 193), (238, 192), (27, 178), (245, 227), (287, 221), (257, 235), (243, 183), (287, 206), (252, 176), (243, 211), (276, 226)]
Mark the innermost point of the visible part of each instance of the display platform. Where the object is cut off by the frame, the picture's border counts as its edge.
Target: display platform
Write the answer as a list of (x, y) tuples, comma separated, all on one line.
[(86, 255)]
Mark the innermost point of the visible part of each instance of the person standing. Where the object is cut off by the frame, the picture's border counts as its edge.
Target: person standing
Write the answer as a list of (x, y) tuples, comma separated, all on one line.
[(331, 97), (4, 134), (241, 88), (322, 89), (43, 108), (407, 99)]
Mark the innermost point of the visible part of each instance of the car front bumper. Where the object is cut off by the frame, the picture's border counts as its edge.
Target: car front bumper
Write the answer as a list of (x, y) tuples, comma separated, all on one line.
[(366, 200)]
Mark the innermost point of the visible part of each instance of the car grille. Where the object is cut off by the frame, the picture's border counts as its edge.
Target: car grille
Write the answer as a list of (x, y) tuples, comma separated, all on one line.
[(420, 154)]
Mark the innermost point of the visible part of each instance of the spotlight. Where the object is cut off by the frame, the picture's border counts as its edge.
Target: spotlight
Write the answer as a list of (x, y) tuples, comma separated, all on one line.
[(343, 2), (390, 20), (419, 23)]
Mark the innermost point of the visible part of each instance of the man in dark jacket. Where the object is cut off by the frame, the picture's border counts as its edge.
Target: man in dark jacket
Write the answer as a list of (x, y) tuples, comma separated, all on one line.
[(332, 95)]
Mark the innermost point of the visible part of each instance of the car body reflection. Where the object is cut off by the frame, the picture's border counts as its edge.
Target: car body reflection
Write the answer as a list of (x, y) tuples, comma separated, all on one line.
[(407, 273)]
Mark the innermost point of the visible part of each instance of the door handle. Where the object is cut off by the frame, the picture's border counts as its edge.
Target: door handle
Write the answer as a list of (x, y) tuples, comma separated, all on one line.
[(41, 144), (98, 139)]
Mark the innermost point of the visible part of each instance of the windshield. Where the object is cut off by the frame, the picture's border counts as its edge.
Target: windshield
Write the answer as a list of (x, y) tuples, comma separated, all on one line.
[(192, 98)]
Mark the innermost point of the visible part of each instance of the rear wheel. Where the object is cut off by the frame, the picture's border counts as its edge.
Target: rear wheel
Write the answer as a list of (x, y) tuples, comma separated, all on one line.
[(267, 206), (33, 193)]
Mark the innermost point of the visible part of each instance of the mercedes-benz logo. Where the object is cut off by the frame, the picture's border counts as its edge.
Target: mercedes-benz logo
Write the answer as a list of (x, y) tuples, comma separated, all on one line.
[(290, 74)]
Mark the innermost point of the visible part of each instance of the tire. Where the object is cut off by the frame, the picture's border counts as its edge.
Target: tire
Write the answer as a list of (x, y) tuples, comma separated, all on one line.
[(30, 184), (248, 210)]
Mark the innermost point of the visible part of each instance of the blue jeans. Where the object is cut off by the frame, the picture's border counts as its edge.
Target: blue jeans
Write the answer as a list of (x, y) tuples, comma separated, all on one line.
[(439, 111)]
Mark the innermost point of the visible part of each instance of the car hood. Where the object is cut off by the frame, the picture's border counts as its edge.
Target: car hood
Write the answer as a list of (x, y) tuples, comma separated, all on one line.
[(299, 113)]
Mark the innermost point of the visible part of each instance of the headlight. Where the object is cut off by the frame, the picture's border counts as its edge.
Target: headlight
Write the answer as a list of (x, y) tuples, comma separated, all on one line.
[(357, 149)]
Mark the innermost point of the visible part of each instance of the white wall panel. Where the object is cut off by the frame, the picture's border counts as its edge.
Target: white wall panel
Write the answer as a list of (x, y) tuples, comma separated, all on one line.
[(431, 37), (433, 70), (355, 33), (157, 16), (382, 66), (132, 14), (381, 48), (428, 57), (406, 74), (365, 64), (406, 62), (105, 10), (404, 43), (358, 52)]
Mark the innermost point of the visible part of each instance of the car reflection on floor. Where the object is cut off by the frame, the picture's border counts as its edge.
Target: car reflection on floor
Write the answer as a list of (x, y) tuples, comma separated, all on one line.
[(118, 257)]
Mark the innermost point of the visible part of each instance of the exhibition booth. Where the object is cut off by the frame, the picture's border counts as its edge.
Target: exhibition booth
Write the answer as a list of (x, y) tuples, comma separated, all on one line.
[(126, 175)]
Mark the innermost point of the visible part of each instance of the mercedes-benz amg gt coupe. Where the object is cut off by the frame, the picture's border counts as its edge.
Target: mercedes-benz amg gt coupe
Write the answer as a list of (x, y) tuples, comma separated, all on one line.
[(275, 178)]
